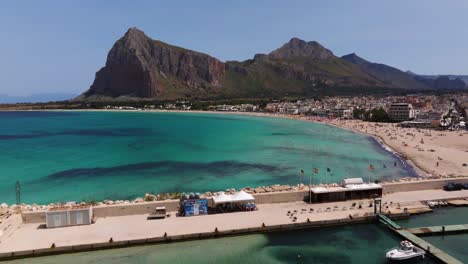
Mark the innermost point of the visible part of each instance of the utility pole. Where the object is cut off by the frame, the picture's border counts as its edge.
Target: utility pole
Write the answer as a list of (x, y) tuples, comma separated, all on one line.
[(18, 193), (310, 189)]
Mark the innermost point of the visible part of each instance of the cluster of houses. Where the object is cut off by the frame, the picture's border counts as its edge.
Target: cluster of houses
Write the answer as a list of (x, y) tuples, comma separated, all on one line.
[(422, 111), (407, 108)]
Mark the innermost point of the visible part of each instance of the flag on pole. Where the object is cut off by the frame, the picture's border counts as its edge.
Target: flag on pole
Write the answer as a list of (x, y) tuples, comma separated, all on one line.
[(302, 171)]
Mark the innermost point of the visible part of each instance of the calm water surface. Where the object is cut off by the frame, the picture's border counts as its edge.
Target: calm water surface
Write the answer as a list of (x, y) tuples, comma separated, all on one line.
[(360, 244), (366, 243), (74, 156), (455, 245)]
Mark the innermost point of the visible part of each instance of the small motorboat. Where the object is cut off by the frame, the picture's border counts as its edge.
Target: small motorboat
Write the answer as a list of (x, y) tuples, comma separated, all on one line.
[(406, 251)]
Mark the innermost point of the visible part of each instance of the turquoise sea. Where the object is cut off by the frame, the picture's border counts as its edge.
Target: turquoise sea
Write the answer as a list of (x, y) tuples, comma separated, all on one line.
[(74, 156)]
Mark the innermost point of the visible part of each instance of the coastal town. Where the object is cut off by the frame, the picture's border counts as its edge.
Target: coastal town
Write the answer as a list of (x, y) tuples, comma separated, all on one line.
[(438, 151), (227, 132), (422, 111)]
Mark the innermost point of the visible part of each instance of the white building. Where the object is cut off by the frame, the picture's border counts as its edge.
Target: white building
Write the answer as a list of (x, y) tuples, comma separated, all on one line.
[(401, 111)]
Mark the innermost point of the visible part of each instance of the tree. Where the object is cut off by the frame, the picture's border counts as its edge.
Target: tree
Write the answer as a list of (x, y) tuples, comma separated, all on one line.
[(358, 113), (378, 115)]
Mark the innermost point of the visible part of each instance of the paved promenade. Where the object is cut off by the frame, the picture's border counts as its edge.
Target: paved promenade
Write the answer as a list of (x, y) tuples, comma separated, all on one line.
[(32, 236)]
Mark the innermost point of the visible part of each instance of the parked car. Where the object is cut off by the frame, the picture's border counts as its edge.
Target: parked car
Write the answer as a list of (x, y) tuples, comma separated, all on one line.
[(465, 186), (453, 187)]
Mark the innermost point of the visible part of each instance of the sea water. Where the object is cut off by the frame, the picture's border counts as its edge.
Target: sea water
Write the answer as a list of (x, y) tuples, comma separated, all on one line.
[(455, 245), (75, 156), (360, 244)]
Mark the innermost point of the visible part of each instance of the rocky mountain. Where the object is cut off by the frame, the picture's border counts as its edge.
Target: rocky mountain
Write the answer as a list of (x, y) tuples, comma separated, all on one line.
[(296, 68), (140, 67), (390, 75)]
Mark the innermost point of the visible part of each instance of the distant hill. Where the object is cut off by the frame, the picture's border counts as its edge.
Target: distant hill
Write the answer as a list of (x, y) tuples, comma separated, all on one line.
[(443, 81), (464, 78), (140, 67), (35, 98), (392, 76)]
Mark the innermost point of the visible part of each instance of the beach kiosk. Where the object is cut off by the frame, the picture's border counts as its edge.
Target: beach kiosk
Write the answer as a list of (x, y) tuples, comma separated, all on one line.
[(69, 216), (350, 189), (358, 189)]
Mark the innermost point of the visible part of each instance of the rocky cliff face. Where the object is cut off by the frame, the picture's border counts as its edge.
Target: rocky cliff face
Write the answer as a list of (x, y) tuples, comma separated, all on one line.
[(138, 66)]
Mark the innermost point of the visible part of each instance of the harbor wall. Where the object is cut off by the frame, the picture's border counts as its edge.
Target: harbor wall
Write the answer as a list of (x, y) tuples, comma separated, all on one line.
[(171, 205), (260, 198), (109, 210), (280, 197), (193, 236), (419, 185), (133, 209)]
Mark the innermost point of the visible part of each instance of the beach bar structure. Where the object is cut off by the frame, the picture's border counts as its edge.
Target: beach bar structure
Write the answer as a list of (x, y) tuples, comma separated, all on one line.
[(69, 216), (350, 189)]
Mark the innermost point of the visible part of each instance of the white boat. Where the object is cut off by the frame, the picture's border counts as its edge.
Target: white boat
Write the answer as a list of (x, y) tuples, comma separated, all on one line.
[(406, 251)]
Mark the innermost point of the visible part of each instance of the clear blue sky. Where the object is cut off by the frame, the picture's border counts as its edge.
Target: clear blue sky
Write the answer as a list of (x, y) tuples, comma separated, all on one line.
[(57, 46)]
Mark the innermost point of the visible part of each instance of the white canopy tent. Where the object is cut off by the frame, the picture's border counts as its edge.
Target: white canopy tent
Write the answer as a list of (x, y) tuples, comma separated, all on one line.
[(242, 197), (222, 198), (238, 197)]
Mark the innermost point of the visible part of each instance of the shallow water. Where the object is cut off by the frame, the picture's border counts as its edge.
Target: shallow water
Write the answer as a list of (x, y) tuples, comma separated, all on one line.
[(455, 245), (64, 156), (358, 244)]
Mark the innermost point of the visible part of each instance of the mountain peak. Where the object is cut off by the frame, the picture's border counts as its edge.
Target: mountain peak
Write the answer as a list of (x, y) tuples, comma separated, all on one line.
[(134, 33), (354, 58), (300, 48)]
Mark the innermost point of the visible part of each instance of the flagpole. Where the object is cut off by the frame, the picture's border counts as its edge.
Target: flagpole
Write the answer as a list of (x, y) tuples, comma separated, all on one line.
[(310, 187)]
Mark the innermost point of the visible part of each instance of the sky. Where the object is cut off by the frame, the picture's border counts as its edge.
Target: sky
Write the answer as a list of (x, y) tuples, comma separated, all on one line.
[(57, 46)]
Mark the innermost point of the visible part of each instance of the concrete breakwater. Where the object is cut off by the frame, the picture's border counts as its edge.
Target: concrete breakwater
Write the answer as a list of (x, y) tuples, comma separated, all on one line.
[(284, 196), (193, 236)]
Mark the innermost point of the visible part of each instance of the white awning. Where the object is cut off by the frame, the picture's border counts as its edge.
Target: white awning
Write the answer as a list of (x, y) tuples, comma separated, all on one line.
[(364, 186), (222, 198), (238, 197), (242, 197), (347, 181)]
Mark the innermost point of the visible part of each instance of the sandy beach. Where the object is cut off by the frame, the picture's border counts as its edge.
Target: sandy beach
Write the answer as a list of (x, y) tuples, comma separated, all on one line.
[(438, 153)]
